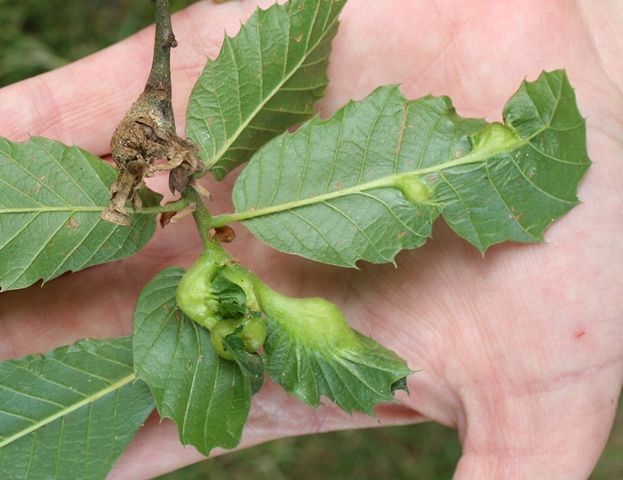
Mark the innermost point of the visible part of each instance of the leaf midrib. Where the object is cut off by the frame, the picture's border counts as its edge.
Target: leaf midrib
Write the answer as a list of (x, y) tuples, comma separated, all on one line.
[(50, 209), (223, 150), (72, 408), (44, 209), (389, 181)]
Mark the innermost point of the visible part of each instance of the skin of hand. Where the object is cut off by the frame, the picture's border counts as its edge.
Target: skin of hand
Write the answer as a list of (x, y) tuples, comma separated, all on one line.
[(521, 351)]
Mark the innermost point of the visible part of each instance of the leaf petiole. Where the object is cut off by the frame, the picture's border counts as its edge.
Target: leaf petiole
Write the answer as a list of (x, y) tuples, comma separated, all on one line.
[(176, 206)]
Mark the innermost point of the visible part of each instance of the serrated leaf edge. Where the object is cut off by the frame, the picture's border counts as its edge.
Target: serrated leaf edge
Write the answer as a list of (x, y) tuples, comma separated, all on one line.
[(227, 145)]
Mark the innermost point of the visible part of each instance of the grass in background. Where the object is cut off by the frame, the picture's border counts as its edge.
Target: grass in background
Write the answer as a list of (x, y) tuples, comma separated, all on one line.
[(39, 35), (426, 451)]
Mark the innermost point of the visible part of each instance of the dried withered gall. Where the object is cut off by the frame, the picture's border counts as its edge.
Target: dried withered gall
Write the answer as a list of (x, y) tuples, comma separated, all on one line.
[(145, 142)]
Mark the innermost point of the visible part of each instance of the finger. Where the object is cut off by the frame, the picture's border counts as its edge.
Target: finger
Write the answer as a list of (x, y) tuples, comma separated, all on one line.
[(83, 102)]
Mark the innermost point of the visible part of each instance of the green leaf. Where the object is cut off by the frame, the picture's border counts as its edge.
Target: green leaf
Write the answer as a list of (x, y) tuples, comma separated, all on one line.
[(51, 198), (369, 181), (232, 301), (207, 397), (356, 374), (250, 364), (312, 351), (69, 413), (266, 79)]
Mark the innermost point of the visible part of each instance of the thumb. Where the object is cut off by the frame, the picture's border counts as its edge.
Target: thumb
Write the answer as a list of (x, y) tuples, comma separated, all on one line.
[(554, 433)]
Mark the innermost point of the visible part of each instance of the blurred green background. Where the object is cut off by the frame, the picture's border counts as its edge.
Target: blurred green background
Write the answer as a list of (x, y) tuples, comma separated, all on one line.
[(39, 35)]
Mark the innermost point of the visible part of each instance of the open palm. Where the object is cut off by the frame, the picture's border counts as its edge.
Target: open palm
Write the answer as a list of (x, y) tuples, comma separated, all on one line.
[(522, 350)]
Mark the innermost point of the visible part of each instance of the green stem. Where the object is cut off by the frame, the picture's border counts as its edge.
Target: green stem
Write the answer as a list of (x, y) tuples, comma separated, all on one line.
[(203, 219)]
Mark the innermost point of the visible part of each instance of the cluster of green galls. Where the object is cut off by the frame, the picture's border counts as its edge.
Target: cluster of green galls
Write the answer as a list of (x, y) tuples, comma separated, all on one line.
[(315, 321), (197, 298)]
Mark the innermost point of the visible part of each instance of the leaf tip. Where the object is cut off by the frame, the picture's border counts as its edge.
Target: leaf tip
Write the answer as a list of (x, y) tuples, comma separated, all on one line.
[(401, 384)]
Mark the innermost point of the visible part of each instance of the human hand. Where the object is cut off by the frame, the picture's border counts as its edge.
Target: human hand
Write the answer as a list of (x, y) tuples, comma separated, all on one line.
[(522, 351)]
